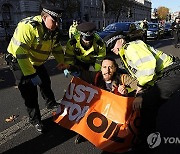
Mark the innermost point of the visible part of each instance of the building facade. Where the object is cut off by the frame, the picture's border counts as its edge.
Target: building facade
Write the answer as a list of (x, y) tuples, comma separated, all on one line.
[(12, 11)]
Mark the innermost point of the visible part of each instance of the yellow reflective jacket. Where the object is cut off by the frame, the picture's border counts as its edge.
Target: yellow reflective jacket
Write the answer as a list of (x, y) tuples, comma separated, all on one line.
[(95, 54), (143, 61), (32, 44), (73, 30)]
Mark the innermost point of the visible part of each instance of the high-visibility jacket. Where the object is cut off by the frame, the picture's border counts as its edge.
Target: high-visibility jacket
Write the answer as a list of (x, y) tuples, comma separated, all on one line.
[(144, 62), (95, 54), (73, 30), (32, 44)]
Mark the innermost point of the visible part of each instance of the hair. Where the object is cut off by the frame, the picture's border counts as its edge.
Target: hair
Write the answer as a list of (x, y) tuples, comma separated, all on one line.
[(111, 59), (43, 13)]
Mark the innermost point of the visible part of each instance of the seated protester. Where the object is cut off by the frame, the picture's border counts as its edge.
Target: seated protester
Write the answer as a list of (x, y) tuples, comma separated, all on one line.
[(107, 79), (86, 48)]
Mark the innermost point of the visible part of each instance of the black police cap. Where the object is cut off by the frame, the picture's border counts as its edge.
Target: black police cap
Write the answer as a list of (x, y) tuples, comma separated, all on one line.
[(52, 10), (86, 27), (111, 39)]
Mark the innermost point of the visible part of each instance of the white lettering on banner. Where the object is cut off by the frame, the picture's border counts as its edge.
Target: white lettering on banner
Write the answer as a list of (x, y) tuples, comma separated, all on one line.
[(73, 107), (80, 95)]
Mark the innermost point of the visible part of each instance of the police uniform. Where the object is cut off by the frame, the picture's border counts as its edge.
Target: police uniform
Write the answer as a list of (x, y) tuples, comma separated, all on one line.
[(153, 69), (176, 31), (73, 29), (29, 49), (82, 55)]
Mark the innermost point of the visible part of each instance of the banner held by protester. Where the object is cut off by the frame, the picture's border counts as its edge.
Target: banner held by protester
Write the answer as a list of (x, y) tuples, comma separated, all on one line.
[(105, 119)]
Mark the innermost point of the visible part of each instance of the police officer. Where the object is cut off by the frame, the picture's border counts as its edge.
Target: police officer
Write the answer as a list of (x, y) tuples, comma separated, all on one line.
[(34, 39), (73, 28), (176, 31), (86, 48), (153, 69)]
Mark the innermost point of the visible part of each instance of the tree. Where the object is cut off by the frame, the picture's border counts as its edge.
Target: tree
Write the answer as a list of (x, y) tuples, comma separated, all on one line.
[(162, 12), (116, 7)]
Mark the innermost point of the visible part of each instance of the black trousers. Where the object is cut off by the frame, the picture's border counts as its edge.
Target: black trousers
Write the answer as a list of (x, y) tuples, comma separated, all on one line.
[(157, 95), (176, 36), (29, 92)]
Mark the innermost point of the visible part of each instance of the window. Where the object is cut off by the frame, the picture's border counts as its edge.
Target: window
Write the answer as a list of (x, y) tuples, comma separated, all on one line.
[(6, 12)]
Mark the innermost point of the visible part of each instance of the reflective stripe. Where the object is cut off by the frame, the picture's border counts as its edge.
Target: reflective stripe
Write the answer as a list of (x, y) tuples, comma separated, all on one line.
[(153, 50), (20, 44), (25, 46), (144, 60), (144, 73), (21, 56), (25, 56), (36, 59), (40, 51), (163, 56)]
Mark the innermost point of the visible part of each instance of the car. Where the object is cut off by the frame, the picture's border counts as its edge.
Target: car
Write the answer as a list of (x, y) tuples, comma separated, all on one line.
[(167, 29), (129, 28), (155, 31)]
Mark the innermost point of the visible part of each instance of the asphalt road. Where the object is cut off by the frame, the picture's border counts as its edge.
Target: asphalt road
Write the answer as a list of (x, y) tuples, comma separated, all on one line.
[(19, 136)]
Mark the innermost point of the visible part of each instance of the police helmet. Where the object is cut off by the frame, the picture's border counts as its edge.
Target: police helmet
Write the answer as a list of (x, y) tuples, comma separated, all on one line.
[(87, 30), (111, 39), (54, 11)]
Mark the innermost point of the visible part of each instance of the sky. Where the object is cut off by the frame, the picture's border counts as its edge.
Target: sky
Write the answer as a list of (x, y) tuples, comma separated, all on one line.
[(173, 5)]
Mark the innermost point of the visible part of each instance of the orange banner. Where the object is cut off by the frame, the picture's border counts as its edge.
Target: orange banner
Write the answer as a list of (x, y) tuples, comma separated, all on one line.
[(105, 119)]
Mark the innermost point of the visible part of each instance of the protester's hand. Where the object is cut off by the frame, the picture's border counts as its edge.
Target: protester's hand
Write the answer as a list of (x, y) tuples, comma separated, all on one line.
[(36, 80), (122, 90), (137, 103), (62, 66)]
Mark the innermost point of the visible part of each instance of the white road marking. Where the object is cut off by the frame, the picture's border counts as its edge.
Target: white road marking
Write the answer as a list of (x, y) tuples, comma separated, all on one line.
[(16, 129)]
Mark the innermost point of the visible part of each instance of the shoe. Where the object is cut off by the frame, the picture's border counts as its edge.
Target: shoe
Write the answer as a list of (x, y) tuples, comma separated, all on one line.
[(79, 139), (52, 105), (39, 127)]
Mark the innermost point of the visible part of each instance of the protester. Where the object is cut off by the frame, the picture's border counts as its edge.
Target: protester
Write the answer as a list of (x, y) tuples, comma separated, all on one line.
[(108, 79), (176, 31), (153, 69), (34, 39), (86, 48)]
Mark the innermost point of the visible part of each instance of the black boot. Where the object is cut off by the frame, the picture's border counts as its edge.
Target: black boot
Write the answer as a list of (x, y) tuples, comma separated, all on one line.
[(79, 139), (52, 105)]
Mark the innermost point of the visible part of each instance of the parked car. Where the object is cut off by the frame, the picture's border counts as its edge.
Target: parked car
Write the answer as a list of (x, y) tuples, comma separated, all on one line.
[(155, 31), (167, 29), (129, 28)]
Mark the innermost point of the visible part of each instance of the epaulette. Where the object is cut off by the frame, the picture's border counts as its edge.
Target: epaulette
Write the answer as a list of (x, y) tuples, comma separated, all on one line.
[(73, 41), (34, 23), (126, 45), (100, 42)]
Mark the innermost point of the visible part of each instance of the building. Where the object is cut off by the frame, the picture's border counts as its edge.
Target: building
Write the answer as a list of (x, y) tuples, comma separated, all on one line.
[(12, 11)]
